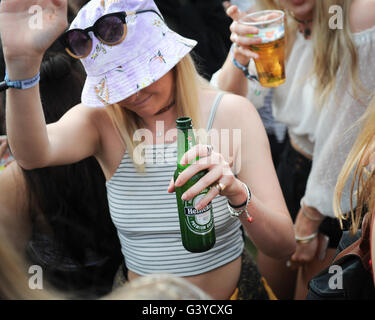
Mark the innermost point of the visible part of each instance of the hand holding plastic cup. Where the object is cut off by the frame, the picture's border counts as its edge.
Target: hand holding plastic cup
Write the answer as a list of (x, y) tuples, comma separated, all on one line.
[(271, 51)]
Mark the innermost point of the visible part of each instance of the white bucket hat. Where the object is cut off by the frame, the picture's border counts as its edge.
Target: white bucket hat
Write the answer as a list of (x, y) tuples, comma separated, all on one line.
[(148, 52)]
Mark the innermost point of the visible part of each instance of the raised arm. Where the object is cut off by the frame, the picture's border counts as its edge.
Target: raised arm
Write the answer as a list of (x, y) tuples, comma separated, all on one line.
[(34, 144), (231, 78)]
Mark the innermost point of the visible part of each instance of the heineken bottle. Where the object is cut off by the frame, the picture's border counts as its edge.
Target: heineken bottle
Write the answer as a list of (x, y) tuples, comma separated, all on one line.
[(197, 226)]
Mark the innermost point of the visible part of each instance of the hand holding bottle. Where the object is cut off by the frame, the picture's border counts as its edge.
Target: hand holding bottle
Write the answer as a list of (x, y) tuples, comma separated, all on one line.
[(219, 175)]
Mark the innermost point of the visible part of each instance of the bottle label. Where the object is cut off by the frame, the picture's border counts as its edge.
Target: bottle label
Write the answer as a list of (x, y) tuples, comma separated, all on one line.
[(199, 221)]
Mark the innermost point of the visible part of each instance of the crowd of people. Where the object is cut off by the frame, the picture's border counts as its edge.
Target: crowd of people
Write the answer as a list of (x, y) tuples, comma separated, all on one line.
[(80, 93)]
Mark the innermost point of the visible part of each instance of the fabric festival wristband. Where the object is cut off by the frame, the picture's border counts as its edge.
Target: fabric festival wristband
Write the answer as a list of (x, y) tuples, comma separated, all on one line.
[(244, 69), (22, 84)]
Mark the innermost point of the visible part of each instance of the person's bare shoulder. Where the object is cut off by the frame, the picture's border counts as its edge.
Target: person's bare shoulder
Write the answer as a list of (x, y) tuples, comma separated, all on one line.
[(237, 112), (86, 113), (362, 15)]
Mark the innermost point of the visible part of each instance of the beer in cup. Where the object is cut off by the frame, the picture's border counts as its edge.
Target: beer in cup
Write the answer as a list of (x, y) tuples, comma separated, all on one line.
[(271, 62)]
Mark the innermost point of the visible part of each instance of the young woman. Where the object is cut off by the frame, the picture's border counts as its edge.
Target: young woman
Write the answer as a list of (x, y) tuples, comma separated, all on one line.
[(144, 76), (358, 175), (329, 77)]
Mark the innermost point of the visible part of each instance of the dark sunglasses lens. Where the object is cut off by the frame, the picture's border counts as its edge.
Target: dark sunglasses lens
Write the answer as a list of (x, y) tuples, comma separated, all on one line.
[(110, 29), (78, 42)]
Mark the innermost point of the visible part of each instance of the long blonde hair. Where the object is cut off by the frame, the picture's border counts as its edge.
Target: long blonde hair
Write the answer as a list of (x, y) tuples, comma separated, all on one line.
[(363, 182), (187, 84), (333, 48)]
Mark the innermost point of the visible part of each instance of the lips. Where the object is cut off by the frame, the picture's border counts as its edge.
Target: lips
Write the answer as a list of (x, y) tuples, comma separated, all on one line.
[(141, 101)]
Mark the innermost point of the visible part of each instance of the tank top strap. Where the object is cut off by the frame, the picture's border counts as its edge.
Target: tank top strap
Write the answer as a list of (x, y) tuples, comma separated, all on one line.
[(214, 109)]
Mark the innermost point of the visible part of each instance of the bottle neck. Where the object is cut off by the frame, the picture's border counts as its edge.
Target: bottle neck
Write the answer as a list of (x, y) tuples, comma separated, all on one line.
[(185, 141)]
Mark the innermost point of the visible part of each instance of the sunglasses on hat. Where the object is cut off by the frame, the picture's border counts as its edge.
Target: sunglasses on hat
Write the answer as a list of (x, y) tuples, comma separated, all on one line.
[(110, 29)]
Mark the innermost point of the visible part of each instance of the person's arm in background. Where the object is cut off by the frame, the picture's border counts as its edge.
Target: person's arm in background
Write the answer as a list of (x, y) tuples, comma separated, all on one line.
[(231, 78), (33, 144)]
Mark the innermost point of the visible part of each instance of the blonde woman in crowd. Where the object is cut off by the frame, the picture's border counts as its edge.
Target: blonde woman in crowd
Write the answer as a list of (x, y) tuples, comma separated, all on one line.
[(358, 175), (330, 73), (140, 72)]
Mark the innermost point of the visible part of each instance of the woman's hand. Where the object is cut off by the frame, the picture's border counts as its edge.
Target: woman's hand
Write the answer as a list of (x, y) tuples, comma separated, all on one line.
[(27, 29), (240, 37), (304, 227), (219, 171)]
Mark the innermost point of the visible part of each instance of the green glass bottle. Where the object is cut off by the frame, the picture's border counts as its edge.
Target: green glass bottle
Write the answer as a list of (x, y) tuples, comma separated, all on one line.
[(197, 226)]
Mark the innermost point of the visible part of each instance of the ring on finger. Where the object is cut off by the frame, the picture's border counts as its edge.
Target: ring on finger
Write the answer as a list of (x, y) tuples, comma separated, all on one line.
[(220, 186)]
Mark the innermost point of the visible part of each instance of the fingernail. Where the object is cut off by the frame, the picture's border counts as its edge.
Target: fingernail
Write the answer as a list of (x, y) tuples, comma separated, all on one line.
[(184, 197)]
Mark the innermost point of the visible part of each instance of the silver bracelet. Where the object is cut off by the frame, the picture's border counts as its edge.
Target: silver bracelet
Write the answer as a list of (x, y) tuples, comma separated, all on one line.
[(236, 212), (306, 239)]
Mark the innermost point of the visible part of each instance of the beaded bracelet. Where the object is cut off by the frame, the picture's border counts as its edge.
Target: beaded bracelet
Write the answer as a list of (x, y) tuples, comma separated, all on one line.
[(244, 69)]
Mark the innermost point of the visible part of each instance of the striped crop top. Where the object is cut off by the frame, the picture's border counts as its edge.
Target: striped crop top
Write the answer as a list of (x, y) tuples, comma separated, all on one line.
[(146, 218)]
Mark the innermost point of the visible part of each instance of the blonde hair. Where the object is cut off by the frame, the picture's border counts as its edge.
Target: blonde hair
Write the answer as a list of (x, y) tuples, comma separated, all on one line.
[(159, 287), (363, 181), (187, 84), (333, 48)]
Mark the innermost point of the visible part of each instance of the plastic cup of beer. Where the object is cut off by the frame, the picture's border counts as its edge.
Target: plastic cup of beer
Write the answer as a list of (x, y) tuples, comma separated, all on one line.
[(271, 62)]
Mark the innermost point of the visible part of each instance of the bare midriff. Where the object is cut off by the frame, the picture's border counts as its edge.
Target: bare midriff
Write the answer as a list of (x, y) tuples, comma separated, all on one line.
[(219, 283)]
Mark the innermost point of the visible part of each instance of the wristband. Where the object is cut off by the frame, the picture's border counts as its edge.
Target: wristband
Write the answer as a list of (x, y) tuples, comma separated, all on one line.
[(244, 69), (20, 84)]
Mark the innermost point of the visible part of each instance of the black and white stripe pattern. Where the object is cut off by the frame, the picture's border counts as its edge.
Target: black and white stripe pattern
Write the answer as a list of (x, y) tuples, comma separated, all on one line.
[(146, 218)]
